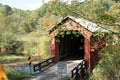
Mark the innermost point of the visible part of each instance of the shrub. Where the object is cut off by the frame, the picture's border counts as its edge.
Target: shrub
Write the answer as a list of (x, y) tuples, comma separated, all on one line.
[(44, 48), (109, 65), (30, 47), (17, 47), (15, 74)]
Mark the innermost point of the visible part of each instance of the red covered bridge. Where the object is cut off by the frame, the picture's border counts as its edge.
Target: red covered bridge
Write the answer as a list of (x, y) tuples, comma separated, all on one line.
[(73, 37)]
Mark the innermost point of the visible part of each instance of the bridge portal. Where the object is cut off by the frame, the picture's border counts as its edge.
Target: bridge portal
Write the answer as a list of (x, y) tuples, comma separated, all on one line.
[(71, 45)]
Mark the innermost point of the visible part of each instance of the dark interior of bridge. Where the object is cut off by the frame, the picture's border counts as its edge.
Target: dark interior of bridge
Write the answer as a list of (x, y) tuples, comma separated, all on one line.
[(71, 45)]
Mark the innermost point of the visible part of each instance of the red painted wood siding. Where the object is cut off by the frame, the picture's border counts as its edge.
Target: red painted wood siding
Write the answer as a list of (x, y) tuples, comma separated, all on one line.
[(54, 49), (87, 52)]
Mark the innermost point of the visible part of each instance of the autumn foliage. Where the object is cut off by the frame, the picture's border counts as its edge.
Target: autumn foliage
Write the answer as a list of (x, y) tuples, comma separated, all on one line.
[(2, 74)]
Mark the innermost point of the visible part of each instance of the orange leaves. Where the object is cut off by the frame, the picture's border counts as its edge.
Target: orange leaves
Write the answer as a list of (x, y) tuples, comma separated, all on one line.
[(2, 74), (47, 22)]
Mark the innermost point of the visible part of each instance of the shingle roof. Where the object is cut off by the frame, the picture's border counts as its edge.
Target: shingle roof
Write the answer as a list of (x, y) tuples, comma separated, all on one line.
[(88, 25), (85, 23)]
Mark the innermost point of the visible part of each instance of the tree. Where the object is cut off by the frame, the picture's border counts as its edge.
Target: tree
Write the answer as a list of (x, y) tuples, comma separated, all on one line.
[(47, 21), (116, 1), (6, 34), (7, 10)]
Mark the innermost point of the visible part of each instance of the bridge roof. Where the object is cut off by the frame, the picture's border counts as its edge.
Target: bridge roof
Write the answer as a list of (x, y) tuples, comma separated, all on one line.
[(85, 23)]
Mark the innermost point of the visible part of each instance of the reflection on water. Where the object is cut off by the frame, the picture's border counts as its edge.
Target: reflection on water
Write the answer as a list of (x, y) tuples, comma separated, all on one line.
[(27, 69)]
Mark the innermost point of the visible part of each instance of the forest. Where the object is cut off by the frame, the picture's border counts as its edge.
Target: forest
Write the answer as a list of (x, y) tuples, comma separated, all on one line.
[(16, 24), (26, 32)]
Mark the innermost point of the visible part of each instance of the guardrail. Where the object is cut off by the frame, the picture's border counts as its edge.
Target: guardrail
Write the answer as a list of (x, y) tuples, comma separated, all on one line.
[(44, 64), (80, 71)]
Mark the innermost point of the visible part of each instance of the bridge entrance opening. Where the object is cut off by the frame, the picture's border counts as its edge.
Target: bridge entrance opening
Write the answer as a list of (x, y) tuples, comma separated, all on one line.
[(71, 45)]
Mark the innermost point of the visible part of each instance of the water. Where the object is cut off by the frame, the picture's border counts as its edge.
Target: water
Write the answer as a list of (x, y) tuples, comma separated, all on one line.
[(27, 69)]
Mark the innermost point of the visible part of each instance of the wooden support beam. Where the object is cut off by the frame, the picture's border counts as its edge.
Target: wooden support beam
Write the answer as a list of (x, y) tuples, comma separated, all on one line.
[(87, 52), (54, 49)]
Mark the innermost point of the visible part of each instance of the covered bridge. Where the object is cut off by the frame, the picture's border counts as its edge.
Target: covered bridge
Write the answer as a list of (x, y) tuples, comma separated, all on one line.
[(74, 37)]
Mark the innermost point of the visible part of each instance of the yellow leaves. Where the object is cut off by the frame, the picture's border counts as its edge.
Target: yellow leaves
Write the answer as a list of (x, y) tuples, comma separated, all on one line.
[(47, 22), (2, 74), (43, 47), (53, 0), (106, 44)]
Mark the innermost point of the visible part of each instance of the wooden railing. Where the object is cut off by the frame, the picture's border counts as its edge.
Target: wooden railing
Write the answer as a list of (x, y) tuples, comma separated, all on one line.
[(44, 64), (80, 71)]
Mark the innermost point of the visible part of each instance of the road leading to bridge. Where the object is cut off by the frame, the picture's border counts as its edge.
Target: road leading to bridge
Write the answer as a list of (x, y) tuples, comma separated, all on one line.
[(52, 74)]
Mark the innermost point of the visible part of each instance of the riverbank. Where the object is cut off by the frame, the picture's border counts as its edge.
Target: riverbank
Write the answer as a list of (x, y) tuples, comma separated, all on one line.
[(17, 65)]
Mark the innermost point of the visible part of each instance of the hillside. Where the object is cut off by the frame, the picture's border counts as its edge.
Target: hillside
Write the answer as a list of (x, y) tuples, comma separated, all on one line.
[(25, 32), (16, 23)]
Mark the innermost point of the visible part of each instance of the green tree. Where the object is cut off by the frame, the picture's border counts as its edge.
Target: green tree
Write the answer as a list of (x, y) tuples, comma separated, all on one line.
[(116, 1), (7, 10)]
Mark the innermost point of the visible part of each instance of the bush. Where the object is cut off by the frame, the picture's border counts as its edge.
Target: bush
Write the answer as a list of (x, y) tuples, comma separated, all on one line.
[(17, 47), (44, 47), (15, 74), (109, 65), (30, 47)]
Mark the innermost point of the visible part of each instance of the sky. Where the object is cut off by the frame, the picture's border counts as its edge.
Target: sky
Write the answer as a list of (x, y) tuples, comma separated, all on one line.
[(23, 4), (27, 4)]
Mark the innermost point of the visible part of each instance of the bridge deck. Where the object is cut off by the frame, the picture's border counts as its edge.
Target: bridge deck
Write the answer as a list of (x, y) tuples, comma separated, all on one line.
[(52, 74)]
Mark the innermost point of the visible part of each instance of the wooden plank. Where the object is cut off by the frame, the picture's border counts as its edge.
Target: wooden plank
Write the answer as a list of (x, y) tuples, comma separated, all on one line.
[(44, 64)]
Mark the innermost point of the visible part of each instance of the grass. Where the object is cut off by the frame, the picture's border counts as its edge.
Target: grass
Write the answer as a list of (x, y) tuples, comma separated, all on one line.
[(11, 59), (17, 60), (13, 74)]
